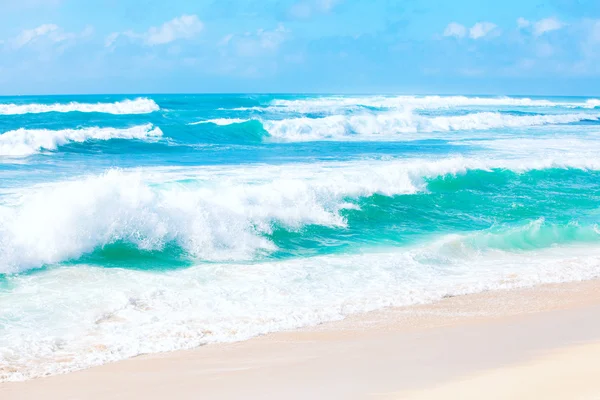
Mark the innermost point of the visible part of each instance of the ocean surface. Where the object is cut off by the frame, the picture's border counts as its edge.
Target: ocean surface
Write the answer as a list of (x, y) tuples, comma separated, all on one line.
[(141, 224)]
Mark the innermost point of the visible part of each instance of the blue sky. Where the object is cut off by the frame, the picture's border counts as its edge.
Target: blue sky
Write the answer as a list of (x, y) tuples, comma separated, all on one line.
[(345, 46)]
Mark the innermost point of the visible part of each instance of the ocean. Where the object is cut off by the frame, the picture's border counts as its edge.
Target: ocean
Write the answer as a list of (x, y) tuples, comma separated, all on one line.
[(142, 224)]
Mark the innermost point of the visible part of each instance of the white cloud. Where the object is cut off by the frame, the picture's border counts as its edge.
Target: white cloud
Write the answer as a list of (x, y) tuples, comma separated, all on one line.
[(184, 27), (111, 39), (271, 39), (46, 34), (256, 43), (523, 23), (29, 36), (546, 25), (456, 30), (481, 29), (225, 40)]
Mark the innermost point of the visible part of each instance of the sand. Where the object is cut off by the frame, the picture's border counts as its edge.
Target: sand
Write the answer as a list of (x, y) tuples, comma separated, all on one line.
[(541, 342)]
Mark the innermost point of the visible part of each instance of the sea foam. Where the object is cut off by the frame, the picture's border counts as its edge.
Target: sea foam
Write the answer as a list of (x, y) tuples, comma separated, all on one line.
[(136, 106), (370, 126), (72, 318), (24, 142), (337, 103), (213, 214)]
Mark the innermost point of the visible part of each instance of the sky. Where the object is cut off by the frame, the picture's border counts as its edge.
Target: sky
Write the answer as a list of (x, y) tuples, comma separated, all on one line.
[(521, 47)]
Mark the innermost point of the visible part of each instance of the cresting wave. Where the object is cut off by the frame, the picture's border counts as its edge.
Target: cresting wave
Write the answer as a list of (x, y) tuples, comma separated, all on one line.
[(373, 126), (136, 106), (24, 142), (337, 103), (212, 214)]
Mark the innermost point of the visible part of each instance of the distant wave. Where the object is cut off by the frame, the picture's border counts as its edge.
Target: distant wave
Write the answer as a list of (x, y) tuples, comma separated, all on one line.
[(212, 218), (374, 126), (336, 103), (24, 142), (221, 121), (137, 106)]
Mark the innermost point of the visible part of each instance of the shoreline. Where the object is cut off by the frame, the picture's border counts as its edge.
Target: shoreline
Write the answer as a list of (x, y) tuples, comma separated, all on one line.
[(390, 353)]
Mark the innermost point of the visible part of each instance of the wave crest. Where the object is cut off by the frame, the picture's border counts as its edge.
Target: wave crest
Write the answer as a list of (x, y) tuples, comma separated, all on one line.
[(136, 106), (336, 103), (373, 126), (210, 213), (24, 142)]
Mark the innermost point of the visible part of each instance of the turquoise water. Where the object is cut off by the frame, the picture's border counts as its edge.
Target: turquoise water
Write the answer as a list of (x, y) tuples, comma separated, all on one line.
[(136, 224)]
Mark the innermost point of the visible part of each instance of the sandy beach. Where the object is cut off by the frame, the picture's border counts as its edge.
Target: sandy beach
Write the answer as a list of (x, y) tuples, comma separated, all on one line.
[(541, 342)]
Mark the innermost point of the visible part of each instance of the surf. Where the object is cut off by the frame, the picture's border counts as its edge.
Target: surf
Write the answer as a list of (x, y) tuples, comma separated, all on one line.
[(137, 106), (25, 142)]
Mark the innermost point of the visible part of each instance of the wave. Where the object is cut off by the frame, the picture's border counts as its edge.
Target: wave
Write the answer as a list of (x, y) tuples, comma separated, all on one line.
[(221, 121), (337, 103), (211, 213), (537, 234), (374, 126), (24, 142), (57, 326), (136, 106)]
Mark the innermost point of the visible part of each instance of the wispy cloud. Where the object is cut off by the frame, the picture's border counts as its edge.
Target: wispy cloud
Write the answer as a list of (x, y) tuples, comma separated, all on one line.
[(481, 29), (50, 31), (46, 33), (477, 31), (183, 27), (522, 23), (255, 43), (546, 25), (456, 30)]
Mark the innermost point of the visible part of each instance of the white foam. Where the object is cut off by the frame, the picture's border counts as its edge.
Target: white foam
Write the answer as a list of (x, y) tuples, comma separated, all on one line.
[(386, 125), (221, 121), (337, 103), (136, 106), (218, 214), (71, 318), (592, 103), (24, 142)]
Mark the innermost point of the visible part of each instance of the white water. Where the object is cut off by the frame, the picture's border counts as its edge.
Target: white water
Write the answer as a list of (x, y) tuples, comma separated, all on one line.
[(386, 125), (71, 318), (337, 103), (24, 142), (137, 106), (218, 214)]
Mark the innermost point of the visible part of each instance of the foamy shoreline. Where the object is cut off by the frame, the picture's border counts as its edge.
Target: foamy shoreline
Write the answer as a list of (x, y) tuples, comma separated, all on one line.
[(391, 353)]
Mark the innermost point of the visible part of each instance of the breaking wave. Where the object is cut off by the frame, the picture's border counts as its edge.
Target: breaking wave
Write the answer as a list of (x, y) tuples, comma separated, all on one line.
[(137, 106), (212, 214), (373, 126), (337, 103), (24, 142)]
